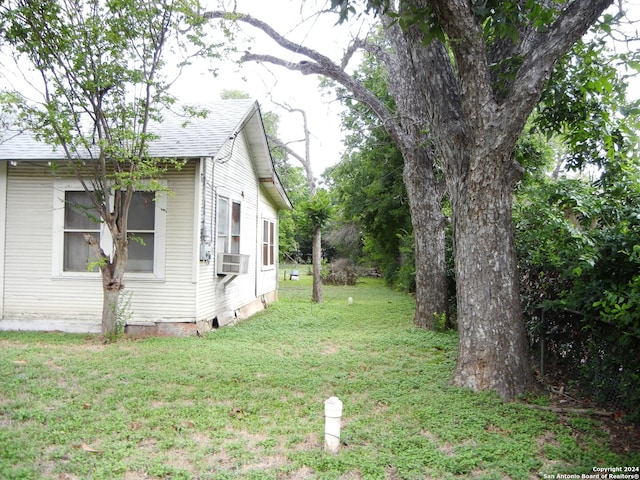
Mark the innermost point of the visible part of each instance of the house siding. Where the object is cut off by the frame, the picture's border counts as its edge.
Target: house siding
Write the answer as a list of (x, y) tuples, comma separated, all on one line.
[(32, 294), (230, 174), (3, 224), (185, 292), (176, 292)]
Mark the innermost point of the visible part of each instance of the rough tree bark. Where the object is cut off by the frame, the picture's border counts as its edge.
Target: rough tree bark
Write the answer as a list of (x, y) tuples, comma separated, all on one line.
[(424, 190)]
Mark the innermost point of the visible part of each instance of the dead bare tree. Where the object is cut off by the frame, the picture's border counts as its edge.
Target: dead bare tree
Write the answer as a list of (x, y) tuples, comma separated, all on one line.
[(305, 161)]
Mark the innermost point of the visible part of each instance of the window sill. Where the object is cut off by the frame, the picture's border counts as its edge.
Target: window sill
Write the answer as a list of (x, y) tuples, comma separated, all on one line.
[(134, 277)]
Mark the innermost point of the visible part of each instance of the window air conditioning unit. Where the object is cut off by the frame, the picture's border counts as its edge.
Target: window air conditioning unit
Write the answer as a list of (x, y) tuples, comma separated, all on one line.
[(232, 264)]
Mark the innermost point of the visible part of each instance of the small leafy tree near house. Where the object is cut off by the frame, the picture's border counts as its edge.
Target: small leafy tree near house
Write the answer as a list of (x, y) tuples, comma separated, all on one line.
[(98, 66)]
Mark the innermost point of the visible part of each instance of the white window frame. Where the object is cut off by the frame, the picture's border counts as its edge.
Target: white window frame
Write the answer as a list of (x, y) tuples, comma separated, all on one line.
[(269, 243), (228, 234), (106, 241)]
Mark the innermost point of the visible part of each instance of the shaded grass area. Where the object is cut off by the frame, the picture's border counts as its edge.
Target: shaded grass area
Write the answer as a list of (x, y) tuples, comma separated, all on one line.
[(247, 402)]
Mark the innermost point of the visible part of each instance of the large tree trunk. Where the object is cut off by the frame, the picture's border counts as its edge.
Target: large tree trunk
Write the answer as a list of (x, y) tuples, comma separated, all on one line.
[(429, 238), (316, 260), (492, 349), (455, 92), (407, 70)]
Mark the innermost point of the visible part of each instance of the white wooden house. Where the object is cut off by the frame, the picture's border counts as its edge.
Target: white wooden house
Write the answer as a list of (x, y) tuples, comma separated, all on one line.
[(210, 252)]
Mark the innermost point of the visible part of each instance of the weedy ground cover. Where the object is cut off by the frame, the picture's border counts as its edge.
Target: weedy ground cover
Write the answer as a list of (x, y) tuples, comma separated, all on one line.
[(247, 402)]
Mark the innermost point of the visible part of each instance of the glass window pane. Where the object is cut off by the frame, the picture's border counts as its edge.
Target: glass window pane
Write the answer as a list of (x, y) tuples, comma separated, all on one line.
[(141, 255), (142, 211), (235, 245), (77, 252), (222, 244), (79, 212), (223, 217), (235, 219)]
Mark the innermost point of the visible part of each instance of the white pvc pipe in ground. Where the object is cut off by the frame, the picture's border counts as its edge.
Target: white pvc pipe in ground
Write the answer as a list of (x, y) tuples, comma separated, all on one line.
[(332, 417)]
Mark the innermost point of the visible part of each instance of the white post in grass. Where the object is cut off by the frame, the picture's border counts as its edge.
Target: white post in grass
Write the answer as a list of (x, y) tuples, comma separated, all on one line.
[(332, 416)]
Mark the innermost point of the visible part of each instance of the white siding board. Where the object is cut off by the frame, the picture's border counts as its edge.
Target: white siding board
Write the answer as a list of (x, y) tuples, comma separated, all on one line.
[(3, 224), (31, 292), (172, 299), (235, 178), (231, 174), (205, 296)]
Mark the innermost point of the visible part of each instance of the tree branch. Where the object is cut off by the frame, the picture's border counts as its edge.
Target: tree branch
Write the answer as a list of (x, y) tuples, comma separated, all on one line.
[(363, 44), (317, 64), (467, 43), (306, 161), (545, 50)]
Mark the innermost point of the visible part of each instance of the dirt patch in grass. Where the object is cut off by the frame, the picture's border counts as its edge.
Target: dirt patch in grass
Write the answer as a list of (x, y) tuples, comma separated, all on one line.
[(300, 474), (181, 459), (330, 348), (624, 437), (448, 449), (548, 438), (136, 476), (272, 462), (310, 442)]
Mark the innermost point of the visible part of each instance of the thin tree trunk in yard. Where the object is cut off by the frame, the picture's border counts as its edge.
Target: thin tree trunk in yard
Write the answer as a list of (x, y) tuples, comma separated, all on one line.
[(112, 271), (111, 297), (316, 242), (316, 254), (112, 285)]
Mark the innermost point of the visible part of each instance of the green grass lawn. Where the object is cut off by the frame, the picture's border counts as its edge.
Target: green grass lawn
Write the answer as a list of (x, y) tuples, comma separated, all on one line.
[(247, 402)]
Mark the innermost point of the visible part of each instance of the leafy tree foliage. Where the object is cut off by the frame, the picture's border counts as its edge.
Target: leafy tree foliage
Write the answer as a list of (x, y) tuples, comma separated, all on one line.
[(578, 239), (369, 189), (368, 182), (578, 245), (586, 103)]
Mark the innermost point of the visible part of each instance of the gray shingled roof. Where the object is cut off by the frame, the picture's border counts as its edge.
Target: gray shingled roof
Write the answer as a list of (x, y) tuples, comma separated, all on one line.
[(200, 137), (180, 137)]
